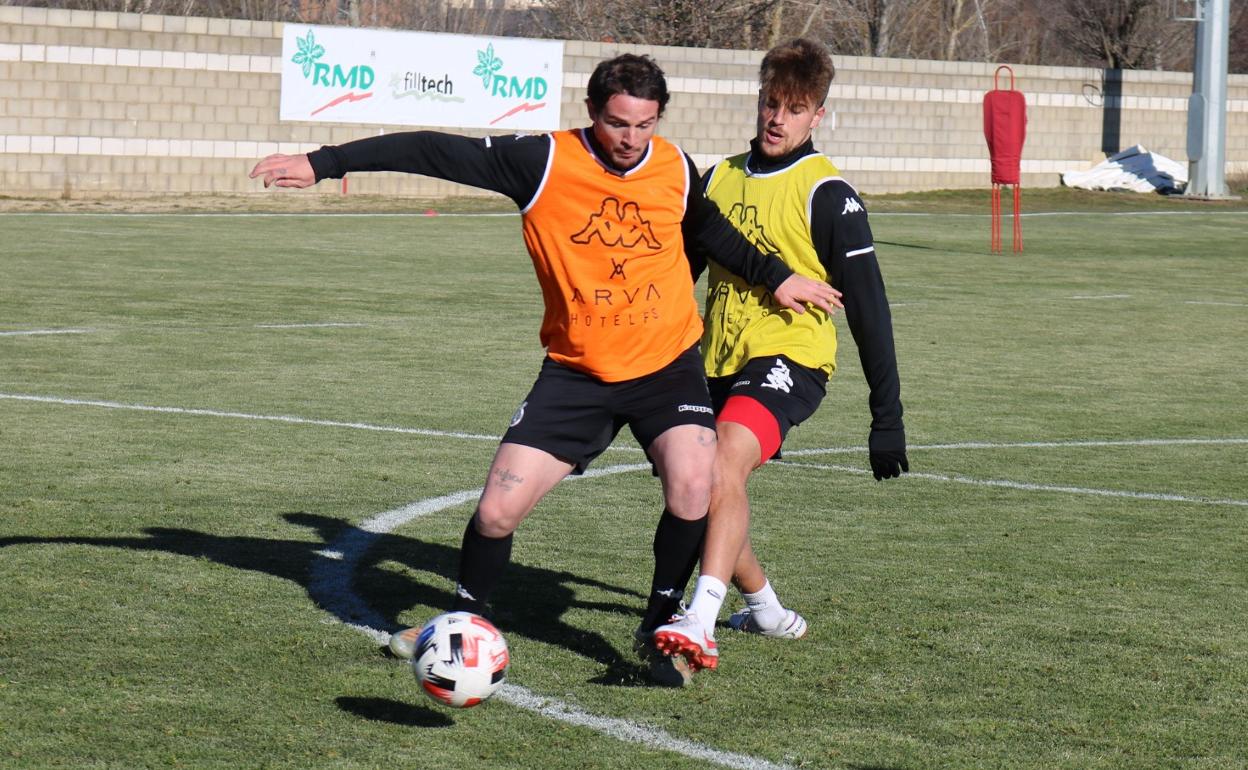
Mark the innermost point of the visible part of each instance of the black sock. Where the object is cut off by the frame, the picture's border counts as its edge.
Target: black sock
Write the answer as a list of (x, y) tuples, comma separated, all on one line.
[(677, 547), (481, 563)]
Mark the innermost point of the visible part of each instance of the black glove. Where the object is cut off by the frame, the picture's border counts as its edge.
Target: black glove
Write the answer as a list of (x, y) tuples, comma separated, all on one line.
[(888, 453)]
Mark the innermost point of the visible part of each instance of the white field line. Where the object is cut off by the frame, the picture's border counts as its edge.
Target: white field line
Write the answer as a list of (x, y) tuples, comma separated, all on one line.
[(1077, 443), (1036, 214), (37, 332), (331, 587), (1101, 296), (1221, 304), (244, 416), (631, 732), (1155, 496), (322, 325), (482, 437), (968, 445)]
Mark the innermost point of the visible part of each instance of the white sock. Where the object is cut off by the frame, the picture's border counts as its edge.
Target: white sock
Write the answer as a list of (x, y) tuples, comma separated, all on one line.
[(765, 607), (708, 597)]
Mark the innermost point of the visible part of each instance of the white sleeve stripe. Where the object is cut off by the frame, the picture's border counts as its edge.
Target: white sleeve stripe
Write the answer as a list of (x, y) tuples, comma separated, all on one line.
[(857, 252), (550, 161)]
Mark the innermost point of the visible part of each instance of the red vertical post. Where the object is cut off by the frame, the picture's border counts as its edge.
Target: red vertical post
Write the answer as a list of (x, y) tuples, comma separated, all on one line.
[(1005, 129)]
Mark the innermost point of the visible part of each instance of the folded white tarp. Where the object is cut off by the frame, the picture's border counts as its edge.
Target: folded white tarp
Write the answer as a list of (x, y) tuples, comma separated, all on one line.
[(1135, 169)]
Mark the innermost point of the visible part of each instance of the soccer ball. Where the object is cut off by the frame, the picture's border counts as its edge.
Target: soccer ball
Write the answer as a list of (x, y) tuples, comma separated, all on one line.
[(460, 659)]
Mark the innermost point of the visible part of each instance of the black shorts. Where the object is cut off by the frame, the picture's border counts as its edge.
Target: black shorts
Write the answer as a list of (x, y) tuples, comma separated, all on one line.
[(789, 391), (575, 416)]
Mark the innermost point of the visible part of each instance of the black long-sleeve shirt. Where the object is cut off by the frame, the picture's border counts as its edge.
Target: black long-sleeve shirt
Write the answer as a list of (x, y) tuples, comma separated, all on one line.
[(515, 166)]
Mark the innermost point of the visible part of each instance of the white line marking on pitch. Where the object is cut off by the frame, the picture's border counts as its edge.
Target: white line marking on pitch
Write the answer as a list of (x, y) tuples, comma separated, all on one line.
[(1159, 442), (1157, 496), (36, 332), (1101, 296), (1075, 443), (331, 587), (325, 325), (245, 416), (623, 730), (1037, 214), (1221, 304)]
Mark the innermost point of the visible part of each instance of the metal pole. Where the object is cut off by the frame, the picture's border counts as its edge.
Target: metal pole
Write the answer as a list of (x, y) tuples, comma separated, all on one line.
[(1206, 110)]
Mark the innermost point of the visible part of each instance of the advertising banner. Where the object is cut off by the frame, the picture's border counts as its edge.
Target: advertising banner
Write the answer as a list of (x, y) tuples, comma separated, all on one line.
[(352, 75)]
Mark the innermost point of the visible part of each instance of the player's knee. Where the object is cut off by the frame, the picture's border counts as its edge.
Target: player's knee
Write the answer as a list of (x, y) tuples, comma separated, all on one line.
[(689, 496), (735, 460), (494, 520)]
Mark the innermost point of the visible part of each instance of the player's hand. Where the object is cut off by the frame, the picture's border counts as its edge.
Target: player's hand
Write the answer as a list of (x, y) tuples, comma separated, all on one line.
[(285, 171), (889, 465), (887, 450), (797, 290)]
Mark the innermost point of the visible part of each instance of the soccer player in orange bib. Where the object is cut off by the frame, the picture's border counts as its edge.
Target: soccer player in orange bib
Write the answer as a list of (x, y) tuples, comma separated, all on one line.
[(606, 213)]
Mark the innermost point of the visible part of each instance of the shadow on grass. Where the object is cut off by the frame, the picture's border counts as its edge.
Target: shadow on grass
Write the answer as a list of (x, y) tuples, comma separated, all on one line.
[(349, 573), (394, 712)]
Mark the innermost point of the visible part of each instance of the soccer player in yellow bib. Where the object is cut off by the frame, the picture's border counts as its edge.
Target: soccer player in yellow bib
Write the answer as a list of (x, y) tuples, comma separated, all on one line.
[(767, 366)]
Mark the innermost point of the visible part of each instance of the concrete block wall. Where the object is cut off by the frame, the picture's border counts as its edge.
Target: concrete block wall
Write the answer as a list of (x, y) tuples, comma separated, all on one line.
[(110, 104)]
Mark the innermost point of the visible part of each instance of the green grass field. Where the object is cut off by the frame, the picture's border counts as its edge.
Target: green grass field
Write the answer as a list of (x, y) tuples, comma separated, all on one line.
[(238, 450)]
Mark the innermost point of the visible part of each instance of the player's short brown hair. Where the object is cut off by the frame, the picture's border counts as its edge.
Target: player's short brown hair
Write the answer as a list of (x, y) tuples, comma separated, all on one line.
[(629, 74), (799, 70)]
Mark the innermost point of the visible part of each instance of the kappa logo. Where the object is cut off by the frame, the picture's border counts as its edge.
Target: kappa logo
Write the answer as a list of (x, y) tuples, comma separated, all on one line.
[(779, 377), (670, 593), (746, 220), (617, 224), (852, 205)]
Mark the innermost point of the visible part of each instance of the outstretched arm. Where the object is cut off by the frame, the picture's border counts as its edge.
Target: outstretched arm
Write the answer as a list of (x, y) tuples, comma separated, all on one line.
[(511, 165), (843, 240)]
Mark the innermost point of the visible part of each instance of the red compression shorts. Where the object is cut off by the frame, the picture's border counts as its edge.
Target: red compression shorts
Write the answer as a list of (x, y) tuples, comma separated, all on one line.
[(748, 412)]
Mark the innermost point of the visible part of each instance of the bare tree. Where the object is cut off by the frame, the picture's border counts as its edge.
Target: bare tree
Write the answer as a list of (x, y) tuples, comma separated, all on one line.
[(701, 23), (1120, 34), (1239, 38), (863, 27), (1115, 34), (955, 18)]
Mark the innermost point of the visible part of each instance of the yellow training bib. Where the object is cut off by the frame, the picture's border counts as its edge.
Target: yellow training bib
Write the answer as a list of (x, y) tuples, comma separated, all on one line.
[(743, 321)]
